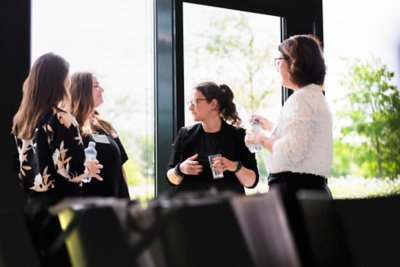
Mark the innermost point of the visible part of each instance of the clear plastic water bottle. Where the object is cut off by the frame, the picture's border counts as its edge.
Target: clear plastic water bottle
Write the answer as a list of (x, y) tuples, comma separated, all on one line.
[(90, 154), (256, 129)]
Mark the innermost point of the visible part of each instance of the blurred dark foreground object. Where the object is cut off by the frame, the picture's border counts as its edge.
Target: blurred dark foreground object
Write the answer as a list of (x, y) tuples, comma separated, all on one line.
[(352, 232), (226, 230), (191, 229)]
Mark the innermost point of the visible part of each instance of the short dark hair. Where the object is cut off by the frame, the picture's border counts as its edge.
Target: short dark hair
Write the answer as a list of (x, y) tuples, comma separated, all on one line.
[(305, 58)]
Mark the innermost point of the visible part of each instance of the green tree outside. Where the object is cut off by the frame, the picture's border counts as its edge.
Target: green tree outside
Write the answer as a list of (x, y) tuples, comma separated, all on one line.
[(371, 109), (252, 83)]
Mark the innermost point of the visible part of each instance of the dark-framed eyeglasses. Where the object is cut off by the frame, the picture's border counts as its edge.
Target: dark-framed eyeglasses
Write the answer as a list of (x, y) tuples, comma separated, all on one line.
[(278, 61), (195, 102)]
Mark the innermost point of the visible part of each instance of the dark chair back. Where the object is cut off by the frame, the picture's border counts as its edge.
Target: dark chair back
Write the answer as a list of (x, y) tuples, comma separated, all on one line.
[(323, 230), (265, 227), (353, 232), (202, 231), (372, 230), (97, 238)]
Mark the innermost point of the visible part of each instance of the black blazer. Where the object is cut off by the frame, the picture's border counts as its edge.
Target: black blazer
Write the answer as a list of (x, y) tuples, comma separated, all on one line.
[(231, 145)]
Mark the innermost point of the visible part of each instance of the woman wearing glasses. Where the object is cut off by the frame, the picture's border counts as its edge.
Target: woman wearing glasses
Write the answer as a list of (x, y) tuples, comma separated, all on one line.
[(301, 142), (189, 168)]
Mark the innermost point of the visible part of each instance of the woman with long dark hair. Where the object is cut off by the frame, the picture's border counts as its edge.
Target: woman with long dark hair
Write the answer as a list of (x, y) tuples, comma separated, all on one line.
[(86, 97), (51, 155)]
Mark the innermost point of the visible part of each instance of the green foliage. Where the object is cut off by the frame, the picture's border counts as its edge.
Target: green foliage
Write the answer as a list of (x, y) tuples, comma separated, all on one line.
[(358, 187), (133, 173), (250, 60), (372, 110), (132, 167), (352, 187), (139, 168), (342, 162), (146, 162)]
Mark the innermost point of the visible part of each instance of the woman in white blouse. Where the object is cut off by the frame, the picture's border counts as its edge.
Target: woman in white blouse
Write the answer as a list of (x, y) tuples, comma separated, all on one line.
[(301, 140), (300, 143)]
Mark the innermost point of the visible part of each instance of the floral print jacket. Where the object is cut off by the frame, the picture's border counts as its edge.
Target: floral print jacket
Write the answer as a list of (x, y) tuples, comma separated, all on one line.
[(53, 159)]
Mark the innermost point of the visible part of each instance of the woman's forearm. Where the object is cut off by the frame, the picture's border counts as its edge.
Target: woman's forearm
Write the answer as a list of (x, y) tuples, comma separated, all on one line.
[(173, 178), (246, 177), (267, 142)]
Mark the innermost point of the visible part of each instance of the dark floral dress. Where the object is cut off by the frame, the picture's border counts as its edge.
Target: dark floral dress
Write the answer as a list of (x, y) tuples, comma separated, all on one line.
[(52, 160), (49, 166)]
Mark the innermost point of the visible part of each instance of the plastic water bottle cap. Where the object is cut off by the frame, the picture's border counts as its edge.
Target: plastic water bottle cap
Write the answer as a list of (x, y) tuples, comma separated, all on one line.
[(92, 144)]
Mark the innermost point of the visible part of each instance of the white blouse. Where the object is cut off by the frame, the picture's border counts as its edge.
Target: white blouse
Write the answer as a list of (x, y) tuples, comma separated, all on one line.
[(303, 134)]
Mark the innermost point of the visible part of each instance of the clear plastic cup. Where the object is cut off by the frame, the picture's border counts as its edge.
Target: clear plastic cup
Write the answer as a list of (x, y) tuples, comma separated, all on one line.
[(216, 174)]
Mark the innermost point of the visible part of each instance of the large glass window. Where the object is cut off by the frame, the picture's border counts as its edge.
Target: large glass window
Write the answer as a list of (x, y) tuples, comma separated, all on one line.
[(114, 40), (362, 86), (234, 48)]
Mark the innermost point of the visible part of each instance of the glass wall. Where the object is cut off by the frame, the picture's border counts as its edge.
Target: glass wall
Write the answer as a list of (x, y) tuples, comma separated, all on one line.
[(114, 40), (234, 48), (362, 51)]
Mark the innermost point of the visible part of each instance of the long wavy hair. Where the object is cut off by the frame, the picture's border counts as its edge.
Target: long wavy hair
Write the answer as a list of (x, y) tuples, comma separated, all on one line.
[(43, 89), (82, 106)]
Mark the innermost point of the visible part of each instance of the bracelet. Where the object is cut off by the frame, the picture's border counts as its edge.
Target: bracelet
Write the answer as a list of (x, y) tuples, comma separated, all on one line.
[(238, 166), (178, 171)]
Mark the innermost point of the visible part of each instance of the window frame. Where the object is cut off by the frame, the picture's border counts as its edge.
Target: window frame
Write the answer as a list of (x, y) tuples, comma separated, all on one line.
[(297, 17)]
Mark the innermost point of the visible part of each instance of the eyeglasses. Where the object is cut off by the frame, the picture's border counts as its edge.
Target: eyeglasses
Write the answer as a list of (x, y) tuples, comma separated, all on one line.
[(278, 61), (195, 102)]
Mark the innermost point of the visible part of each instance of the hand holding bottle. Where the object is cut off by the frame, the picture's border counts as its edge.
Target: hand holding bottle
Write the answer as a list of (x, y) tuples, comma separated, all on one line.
[(92, 164), (264, 123), (253, 137)]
